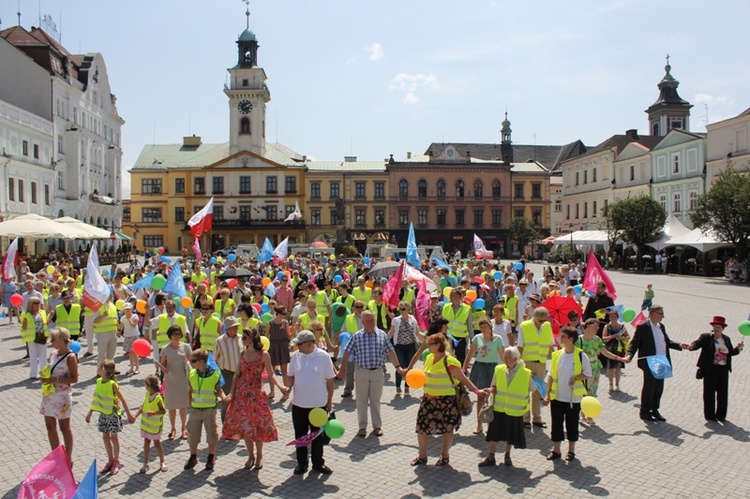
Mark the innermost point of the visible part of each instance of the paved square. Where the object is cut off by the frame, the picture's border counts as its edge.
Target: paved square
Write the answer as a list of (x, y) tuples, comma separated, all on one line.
[(621, 457)]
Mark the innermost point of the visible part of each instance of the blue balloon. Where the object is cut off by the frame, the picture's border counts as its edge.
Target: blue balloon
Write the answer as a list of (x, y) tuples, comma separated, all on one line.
[(577, 288), (75, 347), (213, 259), (367, 261), (165, 259), (478, 304), (498, 275), (343, 340), (231, 258), (264, 307), (337, 279), (518, 266)]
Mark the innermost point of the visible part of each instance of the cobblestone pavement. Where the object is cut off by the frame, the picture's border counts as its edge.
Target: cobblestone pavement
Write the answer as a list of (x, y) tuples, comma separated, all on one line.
[(622, 456)]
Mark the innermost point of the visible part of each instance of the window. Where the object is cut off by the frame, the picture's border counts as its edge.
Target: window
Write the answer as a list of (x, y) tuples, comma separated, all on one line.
[(315, 217), (335, 216), (593, 175), (179, 186), (441, 217), (359, 190), (497, 217), (677, 202), (151, 215), (496, 189), (422, 189), (245, 82), (518, 194), (585, 176), (218, 185), (245, 185), (315, 190), (245, 213), (151, 186), (47, 195), (459, 189), (360, 217), (663, 201), (692, 199), (519, 213), (478, 189), (36, 151), (403, 216), (153, 241), (126, 214), (632, 172), (478, 217), (245, 126), (586, 209), (460, 214), (675, 163), (568, 212), (271, 212), (11, 189), (33, 193), (441, 189), (272, 185), (422, 216), (379, 190), (403, 189), (593, 209), (380, 218), (536, 216), (25, 147), (21, 191), (335, 190), (60, 144), (218, 212), (536, 191), (577, 177), (290, 184), (179, 214), (199, 185)]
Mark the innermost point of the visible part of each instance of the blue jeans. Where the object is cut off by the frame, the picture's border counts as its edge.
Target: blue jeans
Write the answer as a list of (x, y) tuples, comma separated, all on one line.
[(404, 353)]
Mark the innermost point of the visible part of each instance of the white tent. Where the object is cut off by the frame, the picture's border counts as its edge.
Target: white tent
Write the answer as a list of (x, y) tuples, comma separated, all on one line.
[(696, 239), (33, 226), (673, 228), (584, 238), (84, 228)]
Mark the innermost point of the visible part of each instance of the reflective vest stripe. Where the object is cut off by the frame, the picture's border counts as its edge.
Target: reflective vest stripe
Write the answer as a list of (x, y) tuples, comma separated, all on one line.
[(161, 334), (535, 345), (203, 389), (210, 331), (512, 399), (109, 323), (457, 321), (578, 389), (104, 400), (438, 383)]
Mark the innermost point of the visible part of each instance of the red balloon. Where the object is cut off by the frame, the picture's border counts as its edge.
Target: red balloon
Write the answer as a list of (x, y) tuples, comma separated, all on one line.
[(256, 306), (142, 348), (206, 283), (16, 300), (479, 280), (161, 251), (232, 283)]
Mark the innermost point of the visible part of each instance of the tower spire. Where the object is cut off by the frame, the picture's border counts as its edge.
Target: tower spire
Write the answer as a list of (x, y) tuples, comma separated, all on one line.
[(247, 14)]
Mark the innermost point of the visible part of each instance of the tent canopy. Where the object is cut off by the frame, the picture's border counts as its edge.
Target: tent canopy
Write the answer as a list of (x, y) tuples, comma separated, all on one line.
[(92, 231), (583, 238), (673, 228), (33, 226), (696, 239)]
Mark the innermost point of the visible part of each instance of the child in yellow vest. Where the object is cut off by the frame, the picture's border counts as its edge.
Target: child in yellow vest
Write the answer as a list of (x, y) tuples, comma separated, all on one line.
[(152, 421), (106, 402)]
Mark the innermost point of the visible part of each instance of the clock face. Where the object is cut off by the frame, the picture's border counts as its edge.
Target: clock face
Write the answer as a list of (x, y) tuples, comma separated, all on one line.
[(245, 106)]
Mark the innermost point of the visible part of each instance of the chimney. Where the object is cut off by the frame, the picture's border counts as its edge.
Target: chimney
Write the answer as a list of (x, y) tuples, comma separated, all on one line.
[(304, 158), (191, 141), (631, 134), (408, 155), (350, 159)]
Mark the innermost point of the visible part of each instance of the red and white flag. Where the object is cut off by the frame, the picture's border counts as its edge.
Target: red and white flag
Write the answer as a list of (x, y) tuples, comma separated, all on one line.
[(51, 477), (203, 220), (9, 262), (95, 289), (479, 249), (392, 288), (594, 274), (197, 249)]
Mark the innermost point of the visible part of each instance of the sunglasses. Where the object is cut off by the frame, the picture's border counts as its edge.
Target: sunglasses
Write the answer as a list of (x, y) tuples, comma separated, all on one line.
[(205, 308), (358, 306), (403, 309), (318, 329)]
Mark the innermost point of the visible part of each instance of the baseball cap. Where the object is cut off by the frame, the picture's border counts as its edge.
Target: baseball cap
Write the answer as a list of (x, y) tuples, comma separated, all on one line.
[(304, 336)]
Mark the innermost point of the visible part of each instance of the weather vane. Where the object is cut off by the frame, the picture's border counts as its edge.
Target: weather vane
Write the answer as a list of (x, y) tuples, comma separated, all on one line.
[(247, 12)]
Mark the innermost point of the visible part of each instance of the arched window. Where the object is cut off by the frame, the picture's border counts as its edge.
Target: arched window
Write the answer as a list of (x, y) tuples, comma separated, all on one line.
[(60, 214), (98, 221), (459, 189), (422, 189), (403, 189), (496, 190), (245, 126), (478, 189), (105, 222), (441, 189)]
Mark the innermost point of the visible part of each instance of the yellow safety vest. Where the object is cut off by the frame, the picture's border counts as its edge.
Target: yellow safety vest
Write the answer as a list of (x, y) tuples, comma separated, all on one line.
[(203, 389), (457, 321), (305, 319), (28, 334), (199, 278), (220, 306), (351, 324), (104, 400), (161, 334), (409, 295), (151, 424), (475, 316), (512, 399), (251, 323), (511, 306), (536, 346), (69, 320), (578, 389), (362, 295), (320, 301), (438, 381), (210, 331), (382, 310), (253, 300), (109, 323), (348, 301)]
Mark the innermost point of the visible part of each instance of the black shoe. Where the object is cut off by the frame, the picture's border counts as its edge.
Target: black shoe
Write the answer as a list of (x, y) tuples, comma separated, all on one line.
[(210, 463), (88, 354), (191, 463), (301, 469), (323, 469), (657, 416), (711, 419), (25, 357), (647, 416)]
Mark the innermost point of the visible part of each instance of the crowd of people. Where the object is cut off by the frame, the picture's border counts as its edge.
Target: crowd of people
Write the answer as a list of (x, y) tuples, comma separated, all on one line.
[(299, 324)]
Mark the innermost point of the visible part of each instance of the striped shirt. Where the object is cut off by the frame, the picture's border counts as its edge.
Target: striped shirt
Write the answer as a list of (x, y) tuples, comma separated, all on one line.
[(369, 348), (228, 352)]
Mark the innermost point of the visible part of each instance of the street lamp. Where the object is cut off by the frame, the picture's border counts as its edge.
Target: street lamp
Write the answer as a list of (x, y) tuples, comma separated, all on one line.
[(572, 250)]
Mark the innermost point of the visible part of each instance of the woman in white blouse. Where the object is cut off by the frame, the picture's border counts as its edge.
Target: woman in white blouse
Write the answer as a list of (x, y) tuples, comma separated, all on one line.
[(405, 335)]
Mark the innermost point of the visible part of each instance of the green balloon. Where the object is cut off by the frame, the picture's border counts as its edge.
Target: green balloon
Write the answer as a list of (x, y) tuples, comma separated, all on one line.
[(334, 428), (744, 328), (216, 314), (628, 315), (158, 282), (425, 354), (266, 318)]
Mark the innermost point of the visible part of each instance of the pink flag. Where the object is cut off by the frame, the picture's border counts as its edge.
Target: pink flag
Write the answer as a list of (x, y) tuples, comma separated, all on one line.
[(594, 274), (640, 319), (422, 306), (305, 440), (393, 286), (197, 249), (52, 477)]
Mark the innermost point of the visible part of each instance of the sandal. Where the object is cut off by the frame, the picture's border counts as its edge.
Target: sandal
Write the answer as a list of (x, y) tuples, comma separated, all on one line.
[(553, 455), (184, 434), (487, 461), (527, 425), (540, 424), (172, 434), (570, 456), (258, 464), (250, 462), (419, 461), (443, 461), (163, 467), (107, 467), (144, 469), (507, 461)]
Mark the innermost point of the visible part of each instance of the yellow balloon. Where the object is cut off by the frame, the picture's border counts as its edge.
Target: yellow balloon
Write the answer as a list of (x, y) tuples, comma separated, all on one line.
[(50, 269), (318, 417), (120, 305), (125, 280), (265, 342), (447, 291), (591, 407)]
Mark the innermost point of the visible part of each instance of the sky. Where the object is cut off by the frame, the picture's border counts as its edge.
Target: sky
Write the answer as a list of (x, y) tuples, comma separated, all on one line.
[(373, 78)]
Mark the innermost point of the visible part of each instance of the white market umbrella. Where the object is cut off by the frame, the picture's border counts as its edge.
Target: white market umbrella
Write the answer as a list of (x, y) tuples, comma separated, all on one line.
[(84, 228), (33, 226)]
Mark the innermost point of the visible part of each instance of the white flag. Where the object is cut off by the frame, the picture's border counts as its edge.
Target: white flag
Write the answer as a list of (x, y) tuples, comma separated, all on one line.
[(282, 250), (95, 289), (9, 267)]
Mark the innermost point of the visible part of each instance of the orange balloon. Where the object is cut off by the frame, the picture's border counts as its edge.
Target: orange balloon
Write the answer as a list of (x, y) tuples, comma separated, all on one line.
[(186, 302), (266, 281), (416, 378), (140, 306), (368, 284), (471, 294), (388, 259)]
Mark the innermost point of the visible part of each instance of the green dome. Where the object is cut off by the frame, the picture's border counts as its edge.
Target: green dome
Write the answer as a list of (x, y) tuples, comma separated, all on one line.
[(247, 36)]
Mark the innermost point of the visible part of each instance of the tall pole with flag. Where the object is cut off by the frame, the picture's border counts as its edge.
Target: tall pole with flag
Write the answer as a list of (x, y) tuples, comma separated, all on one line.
[(203, 221), (412, 256)]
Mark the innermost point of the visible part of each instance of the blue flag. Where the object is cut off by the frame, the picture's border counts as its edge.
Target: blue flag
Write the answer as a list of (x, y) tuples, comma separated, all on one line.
[(88, 488), (441, 263), (541, 386), (175, 285), (266, 252), (212, 363), (145, 281), (412, 257)]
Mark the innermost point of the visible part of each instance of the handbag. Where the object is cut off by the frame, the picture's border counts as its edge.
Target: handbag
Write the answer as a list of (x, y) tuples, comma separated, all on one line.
[(487, 412), (463, 400), (40, 339)]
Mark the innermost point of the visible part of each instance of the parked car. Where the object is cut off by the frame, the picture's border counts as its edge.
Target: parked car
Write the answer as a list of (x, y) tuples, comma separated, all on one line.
[(225, 252)]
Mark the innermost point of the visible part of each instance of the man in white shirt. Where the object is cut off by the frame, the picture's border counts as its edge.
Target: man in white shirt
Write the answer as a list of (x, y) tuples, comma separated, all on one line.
[(311, 379), (523, 294), (228, 350)]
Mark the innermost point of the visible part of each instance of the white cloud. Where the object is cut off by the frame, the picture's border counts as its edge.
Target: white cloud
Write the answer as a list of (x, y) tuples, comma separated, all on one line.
[(712, 100), (411, 83), (410, 98), (375, 51)]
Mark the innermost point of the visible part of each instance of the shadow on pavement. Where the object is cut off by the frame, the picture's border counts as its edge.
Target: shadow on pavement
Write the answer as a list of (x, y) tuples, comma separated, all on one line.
[(726, 429), (665, 432), (580, 477), (438, 481), (516, 479), (312, 485)]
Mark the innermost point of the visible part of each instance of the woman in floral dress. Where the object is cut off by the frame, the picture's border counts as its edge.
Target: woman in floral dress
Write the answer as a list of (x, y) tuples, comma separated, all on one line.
[(593, 346), (248, 415)]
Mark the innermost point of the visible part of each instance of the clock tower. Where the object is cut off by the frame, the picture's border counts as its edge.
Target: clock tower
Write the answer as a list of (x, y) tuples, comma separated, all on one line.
[(248, 95)]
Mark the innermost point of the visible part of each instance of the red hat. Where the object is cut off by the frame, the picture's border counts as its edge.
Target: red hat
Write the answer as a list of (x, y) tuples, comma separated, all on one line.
[(718, 320)]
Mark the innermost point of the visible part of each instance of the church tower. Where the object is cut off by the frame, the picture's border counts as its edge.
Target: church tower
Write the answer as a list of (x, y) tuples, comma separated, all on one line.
[(248, 95), (669, 111), (506, 145)]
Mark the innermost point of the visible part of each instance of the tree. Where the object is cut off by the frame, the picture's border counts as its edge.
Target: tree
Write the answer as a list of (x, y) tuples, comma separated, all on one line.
[(640, 220), (523, 232), (613, 233), (725, 210)]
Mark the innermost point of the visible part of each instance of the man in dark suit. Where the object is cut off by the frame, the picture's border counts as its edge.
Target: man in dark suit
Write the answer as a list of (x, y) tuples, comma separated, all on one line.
[(715, 364), (651, 338)]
